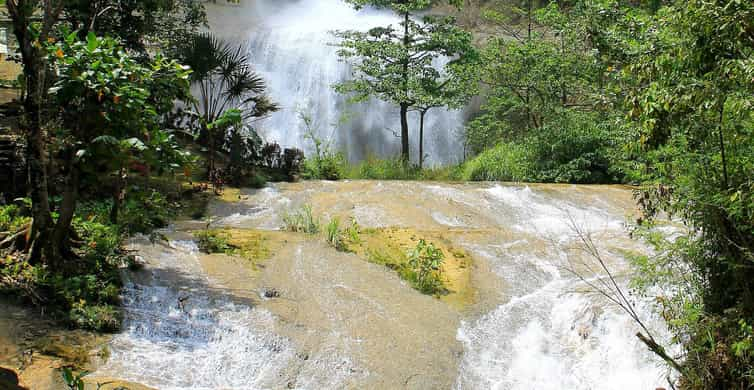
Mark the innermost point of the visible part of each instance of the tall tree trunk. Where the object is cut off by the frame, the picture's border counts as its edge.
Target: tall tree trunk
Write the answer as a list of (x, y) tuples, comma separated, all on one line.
[(405, 155), (421, 138), (34, 64)]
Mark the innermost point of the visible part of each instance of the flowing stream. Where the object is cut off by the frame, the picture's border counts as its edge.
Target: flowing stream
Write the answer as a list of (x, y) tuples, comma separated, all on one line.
[(198, 321), (291, 45)]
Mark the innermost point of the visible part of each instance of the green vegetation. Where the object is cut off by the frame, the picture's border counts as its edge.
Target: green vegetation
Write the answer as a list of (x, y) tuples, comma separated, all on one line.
[(301, 221), (230, 91), (214, 241), (325, 164), (396, 65), (652, 93), (421, 266), (424, 268), (335, 236), (576, 152)]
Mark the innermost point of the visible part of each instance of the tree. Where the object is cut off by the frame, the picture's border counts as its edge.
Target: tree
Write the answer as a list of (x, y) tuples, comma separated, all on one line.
[(111, 110), (451, 88), (30, 36), (392, 63), (540, 67), (226, 80), (682, 71), (138, 23)]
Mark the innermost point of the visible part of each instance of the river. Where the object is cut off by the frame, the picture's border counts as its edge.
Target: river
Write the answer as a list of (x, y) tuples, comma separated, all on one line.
[(196, 321)]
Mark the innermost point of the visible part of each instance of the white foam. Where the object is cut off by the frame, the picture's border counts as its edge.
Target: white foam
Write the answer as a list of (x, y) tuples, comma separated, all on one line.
[(538, 215)]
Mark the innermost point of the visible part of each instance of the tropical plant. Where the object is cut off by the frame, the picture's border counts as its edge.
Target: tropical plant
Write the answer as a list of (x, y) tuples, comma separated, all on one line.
[(225, 79), (111, 112)]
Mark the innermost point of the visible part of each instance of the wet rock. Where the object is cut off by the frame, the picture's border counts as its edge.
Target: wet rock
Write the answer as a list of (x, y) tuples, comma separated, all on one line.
[(270, 293)]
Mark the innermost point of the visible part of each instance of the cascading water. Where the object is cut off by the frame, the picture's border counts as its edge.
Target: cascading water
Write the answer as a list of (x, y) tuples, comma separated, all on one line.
[(201, 322), (292, 47), (549, 335)]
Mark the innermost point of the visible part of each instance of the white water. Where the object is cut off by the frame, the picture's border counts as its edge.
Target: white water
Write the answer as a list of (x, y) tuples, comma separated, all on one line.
[(206, 342), (292, 47), (548, 335), (542, 332)]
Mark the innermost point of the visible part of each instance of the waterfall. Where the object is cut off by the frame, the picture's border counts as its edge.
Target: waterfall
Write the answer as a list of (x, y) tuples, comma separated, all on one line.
[(291, 45)]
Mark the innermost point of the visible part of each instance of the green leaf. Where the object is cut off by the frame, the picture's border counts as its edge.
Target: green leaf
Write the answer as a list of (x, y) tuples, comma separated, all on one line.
[(91, 42)]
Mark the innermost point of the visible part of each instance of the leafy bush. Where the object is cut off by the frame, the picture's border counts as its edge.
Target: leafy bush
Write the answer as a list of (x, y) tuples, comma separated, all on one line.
[(145, 210), (301, 221), (329, 166), (572, 150), (424, 268), (214, 241), (504, 162), (12, 218)]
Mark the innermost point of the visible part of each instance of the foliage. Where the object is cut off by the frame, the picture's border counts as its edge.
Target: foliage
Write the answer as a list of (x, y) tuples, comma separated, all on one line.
[(512, 161), (73, 381), (546, 103), (83, 294), (226, 81), (325, 167), (12, 218), (425, 268), (301, 221), (571, 151), (214, 241), (326, 164), (138, 22), (145, 210), (683, 73), (396, 169), (335, 236), (397, 65), (112, 112)]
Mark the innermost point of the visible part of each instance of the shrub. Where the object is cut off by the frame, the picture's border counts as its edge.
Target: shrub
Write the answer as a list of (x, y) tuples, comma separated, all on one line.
[(424, 268), (504, 162), (13, 218), (301, 221), (214, 241), (329, 166), (572, 150), (145, 210)]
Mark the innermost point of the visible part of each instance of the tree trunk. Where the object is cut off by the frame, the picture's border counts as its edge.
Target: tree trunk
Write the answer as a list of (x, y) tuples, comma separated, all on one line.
[(59, 242), (35, 67), (421, 138), (405, 155), (118, 195)]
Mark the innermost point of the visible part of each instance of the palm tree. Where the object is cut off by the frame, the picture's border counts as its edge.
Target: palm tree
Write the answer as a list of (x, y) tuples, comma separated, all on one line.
[(225, 80)]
